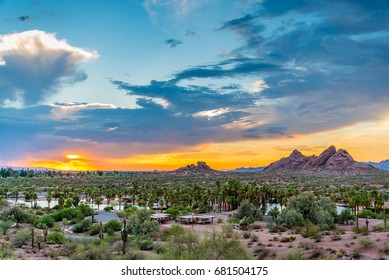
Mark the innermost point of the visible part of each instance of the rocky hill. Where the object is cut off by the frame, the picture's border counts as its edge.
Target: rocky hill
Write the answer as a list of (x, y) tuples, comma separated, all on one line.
[(330, 161), (200, 168)]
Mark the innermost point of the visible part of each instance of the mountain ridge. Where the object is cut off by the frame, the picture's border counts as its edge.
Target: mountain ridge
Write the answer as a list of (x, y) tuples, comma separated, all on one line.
[(330, 161)]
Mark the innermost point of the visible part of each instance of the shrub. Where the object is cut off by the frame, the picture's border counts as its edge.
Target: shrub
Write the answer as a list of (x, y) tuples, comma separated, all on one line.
[(144, 243), (364, 242), (18, 215), (3, 202), (45, 220), (288, 238), (5, 225), (253, 238), (360, 230), (94, 229), (248, 212), (173, 212), (112, 226), (295, 254), (381, 227), (262, 252), (291, 218), (246, 235), (6, 252), (82, 226), (366, 213), (336, 237), (345, 216), (140, 224), (56, 237), (66, 213), (108, 208), (21, 237)]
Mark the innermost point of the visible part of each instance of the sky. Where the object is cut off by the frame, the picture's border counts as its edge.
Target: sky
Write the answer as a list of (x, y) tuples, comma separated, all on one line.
[(159, 84)]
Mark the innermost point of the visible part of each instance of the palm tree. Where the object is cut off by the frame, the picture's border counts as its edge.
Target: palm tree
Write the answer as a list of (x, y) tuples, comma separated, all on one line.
[(48, 198)]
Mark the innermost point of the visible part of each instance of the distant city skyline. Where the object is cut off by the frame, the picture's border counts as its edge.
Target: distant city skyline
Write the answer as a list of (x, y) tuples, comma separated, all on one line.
[(158, 84)]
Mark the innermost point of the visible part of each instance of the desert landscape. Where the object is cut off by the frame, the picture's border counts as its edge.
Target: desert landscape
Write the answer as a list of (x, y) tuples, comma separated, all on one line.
[(196, 212)]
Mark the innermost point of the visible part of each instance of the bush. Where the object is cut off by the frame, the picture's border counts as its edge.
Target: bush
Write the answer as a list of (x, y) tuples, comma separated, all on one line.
[(108, 208), (18, 215), (295, 254), (144, 243), (94, 229), (140, 224), (56, 237), (364, 242), (246, 235), (366, 213), (336, 237), (381, 227), (248, 212), (5, 225), (21, 237), (291, 218), (82, 226), (112, 226), (66, 213), (360, 230), (173, 212), (3, 202), (345, 216), (6, 252), (45, 220), (288, 238)]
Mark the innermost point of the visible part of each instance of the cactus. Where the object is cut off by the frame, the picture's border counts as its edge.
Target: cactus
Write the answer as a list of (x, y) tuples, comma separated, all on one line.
[(124, 236), (45, 232), (101, 234), (32, 237)]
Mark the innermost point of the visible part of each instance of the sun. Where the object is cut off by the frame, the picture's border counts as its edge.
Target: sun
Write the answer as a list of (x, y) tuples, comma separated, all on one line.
[(72, 156)]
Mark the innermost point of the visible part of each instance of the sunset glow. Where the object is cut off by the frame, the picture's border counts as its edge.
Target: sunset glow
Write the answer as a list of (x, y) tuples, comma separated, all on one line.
[(162, 84)]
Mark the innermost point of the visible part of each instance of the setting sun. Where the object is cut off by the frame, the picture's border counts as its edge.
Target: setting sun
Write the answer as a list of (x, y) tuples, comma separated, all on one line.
[(70, 156)]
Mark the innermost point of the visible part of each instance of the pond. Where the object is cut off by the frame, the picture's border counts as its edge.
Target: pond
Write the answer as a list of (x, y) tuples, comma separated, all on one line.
[(339, 209)]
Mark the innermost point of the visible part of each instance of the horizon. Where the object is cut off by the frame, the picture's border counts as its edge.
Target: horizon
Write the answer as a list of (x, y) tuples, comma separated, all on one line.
[(159, 84)]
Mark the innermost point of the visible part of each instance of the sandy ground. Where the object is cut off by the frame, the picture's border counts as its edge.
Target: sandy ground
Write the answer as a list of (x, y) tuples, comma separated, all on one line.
[(265, 245)]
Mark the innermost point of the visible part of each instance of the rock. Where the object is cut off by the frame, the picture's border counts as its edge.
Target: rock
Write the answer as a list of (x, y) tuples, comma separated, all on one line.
[(200, 168), (328, 162)]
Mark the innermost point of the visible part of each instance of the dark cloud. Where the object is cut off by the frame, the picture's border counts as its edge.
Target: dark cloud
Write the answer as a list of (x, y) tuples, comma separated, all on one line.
[(23, 18), (172, 42), (228, 68)]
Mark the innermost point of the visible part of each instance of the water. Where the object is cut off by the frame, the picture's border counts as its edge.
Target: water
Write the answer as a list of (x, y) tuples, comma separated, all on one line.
[(339, 209)]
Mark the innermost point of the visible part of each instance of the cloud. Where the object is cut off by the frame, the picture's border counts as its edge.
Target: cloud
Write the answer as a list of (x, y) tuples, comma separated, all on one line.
[(172, 42), (23, 18), (35, 64), (173, 9)]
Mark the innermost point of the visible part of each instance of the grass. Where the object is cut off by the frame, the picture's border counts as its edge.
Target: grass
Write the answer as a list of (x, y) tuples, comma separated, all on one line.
[(364, 242)]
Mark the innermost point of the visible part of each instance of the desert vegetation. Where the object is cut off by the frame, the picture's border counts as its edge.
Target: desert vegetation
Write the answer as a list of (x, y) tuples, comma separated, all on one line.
[(109, 215)]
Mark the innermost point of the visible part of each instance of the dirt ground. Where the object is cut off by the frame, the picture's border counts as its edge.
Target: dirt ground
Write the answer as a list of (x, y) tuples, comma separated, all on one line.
[(260, 242), (270, 243)]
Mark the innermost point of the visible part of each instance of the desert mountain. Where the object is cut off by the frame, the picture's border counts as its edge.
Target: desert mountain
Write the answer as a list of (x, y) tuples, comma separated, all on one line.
[(200, 168), (330, 161), (382, 165), (247, 169)]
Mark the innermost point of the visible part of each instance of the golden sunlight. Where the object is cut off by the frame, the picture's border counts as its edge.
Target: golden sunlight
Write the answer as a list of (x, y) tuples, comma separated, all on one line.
[(70, 156)]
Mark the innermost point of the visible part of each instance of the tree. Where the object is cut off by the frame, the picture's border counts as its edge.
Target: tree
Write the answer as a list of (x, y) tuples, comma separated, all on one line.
[(16, 214), (274, 212), (49, 199)]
